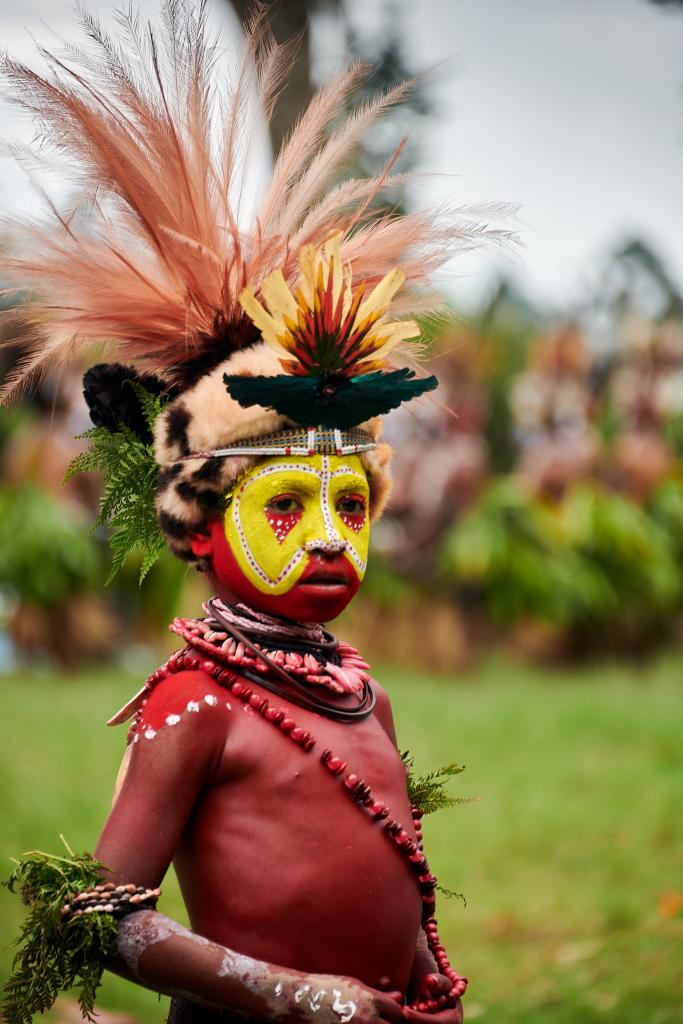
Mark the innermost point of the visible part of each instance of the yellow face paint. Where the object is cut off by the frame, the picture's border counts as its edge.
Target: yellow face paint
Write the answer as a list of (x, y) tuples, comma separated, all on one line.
[(286, 507)]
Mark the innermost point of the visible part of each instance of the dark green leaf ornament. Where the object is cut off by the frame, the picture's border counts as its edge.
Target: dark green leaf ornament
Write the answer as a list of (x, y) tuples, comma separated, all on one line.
[(330, 399)]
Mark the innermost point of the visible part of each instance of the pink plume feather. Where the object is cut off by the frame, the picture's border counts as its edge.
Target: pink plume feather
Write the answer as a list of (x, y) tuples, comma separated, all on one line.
[(160, 260)]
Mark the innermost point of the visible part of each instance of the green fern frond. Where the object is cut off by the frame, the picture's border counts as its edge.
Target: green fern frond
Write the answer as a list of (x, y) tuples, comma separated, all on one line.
[(53, 957), (451, 894), (130, 476), (150, 404), (428, 791)]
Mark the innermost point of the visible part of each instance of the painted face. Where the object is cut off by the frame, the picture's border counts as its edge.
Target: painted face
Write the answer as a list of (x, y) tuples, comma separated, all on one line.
[(297, 532)]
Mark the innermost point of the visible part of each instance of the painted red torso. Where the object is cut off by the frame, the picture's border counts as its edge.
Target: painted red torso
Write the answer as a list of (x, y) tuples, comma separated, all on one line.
[(278, 863), (273, 858)]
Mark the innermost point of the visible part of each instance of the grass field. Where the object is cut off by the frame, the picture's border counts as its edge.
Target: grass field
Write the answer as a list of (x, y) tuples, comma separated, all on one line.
[(571, 859)]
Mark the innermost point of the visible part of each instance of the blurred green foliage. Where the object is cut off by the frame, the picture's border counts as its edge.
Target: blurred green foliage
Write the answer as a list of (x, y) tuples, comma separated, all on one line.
[(595, 558), (505, 325), (46, 552)]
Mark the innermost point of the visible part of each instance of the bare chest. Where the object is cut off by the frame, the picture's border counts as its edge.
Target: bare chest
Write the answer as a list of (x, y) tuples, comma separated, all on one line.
[(280, 830)]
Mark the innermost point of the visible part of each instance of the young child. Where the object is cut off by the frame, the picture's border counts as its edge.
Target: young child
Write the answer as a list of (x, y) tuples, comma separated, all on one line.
[(262, 758), (301, 903)]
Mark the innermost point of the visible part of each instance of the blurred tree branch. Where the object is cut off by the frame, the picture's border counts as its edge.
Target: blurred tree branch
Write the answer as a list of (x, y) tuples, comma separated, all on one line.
[(289, 19), (384, 49)]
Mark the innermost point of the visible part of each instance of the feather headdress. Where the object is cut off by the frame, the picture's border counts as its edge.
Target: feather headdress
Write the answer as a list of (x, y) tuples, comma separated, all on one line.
[(162, 273)]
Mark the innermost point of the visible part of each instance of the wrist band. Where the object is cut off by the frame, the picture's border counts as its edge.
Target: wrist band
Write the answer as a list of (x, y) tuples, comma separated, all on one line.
[(108, 898)]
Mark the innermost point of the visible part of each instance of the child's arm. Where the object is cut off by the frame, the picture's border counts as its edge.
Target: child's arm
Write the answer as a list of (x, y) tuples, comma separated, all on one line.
[(179, 749), (160, 954)]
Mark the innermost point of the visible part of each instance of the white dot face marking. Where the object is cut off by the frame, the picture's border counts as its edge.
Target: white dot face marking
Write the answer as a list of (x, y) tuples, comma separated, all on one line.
[(172, 719), (344, 470), (281, 527), (325, 479), (279, 988), (355, 523), (244, 543), (192, 705), (150, 733), (211, 700)]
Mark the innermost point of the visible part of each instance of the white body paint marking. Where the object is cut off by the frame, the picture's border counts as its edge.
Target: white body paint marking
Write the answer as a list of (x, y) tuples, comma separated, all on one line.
[(141, 931), (345, 1010), (239, 966), (209, 699), (252, 973), (315, 999), (138, 932)]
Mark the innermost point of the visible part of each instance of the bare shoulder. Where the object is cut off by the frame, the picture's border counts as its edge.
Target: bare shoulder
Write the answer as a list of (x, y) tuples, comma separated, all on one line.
[(184, 703)]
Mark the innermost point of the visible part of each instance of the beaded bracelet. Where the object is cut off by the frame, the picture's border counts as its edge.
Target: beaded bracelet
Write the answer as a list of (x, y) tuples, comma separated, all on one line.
[(108, 898)]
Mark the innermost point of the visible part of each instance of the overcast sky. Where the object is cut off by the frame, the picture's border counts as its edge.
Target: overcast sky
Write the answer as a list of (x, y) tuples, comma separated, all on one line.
[(572, 109)]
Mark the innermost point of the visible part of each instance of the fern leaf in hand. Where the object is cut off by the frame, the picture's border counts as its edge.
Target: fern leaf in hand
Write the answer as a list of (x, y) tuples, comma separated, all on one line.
[(53, 957)]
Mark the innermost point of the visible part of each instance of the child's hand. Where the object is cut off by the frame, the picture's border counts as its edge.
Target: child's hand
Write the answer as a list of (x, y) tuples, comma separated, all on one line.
[(451, 1015), (428, 987), (328, 999)]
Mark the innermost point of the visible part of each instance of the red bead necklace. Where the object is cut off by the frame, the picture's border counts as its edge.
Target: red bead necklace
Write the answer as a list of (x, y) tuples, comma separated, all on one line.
[(360, 792)]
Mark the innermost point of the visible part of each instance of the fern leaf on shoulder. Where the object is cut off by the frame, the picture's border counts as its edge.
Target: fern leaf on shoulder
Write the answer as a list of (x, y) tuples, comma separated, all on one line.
[(428, 791), (130, 476)]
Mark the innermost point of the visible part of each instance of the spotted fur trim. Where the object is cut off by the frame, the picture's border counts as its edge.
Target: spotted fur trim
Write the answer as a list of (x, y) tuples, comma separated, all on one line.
[(205, 416)]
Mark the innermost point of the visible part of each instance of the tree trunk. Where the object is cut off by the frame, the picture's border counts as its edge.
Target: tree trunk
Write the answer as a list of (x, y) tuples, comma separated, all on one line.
[(289, 18)]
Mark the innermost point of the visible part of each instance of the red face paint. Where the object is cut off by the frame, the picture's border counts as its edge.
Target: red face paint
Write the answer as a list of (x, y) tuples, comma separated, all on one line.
[(322, 592)]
